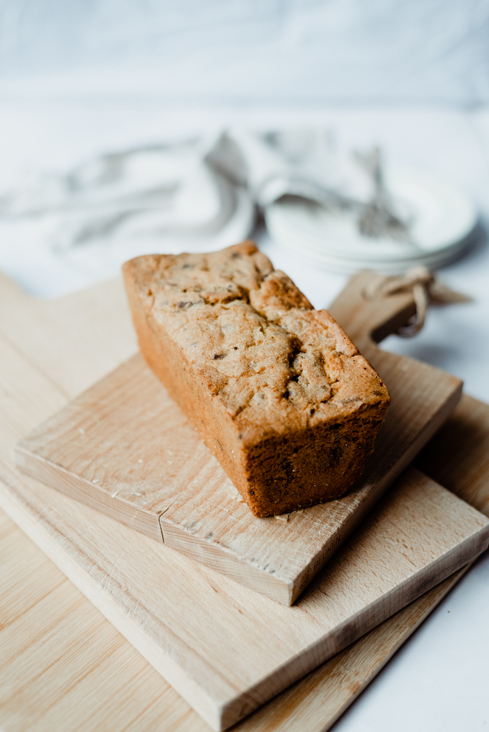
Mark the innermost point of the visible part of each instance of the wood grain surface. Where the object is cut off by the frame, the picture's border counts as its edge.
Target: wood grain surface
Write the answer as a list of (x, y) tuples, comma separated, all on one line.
[(223, 647), (58, 651), (125, 448), (48, 674)]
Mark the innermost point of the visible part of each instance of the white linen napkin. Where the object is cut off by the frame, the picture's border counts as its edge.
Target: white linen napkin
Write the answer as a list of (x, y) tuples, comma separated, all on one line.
[(195, 195)]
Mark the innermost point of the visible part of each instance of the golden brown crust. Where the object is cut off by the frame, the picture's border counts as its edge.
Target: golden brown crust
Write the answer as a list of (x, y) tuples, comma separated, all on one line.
[(277, 390)]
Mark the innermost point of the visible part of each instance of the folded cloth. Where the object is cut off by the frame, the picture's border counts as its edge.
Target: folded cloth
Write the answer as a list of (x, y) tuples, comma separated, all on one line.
[(193, 195)]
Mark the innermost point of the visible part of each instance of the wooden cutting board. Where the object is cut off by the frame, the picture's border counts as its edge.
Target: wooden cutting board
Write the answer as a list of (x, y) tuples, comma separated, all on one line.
[(33, 507), (223, 647), (125, 448), (57, 651)]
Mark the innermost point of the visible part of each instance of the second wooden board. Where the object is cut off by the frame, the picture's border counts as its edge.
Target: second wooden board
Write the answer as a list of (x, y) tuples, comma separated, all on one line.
[(228, 650), (124, 448)]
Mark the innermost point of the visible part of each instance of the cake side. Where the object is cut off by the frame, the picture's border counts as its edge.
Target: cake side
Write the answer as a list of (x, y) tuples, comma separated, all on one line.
[(275, 388)]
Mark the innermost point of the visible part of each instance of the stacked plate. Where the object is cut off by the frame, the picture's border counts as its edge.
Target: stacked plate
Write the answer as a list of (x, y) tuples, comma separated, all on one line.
[(442, 220)]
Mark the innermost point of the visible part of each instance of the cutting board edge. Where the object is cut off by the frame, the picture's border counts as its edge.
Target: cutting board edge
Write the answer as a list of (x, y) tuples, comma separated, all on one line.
[(444, 587), (39, 468), (464, 554), (226, 562)]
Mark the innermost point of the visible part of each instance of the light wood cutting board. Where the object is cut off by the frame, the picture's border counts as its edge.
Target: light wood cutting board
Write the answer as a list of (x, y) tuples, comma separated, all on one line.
[(125, 448), (48, 674), (223, 647)]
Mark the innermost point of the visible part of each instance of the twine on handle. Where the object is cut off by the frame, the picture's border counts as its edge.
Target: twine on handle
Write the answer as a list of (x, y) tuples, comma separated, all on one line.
[(426, 290)]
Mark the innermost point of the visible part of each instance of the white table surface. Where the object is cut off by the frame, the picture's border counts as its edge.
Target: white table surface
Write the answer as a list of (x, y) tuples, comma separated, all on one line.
[(439, 680)]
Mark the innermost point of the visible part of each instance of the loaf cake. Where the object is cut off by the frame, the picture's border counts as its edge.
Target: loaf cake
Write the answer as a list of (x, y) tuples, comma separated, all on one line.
[(276, 389)]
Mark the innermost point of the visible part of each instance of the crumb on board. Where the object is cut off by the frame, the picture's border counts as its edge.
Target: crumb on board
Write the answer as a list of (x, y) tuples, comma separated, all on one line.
[(233, 491), (287, 516)]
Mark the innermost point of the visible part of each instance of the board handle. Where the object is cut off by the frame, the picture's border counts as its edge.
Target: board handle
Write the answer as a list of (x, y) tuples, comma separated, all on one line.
[(369, 318)]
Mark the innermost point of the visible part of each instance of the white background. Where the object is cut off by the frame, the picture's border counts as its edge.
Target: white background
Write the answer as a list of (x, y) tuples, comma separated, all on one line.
[(77, 78)]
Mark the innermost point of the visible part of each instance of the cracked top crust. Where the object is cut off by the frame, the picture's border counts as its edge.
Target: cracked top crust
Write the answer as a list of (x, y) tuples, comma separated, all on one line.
[(275, 363)]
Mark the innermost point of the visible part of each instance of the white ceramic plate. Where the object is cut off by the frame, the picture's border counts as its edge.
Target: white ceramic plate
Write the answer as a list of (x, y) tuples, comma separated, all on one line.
[(442, 219)]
